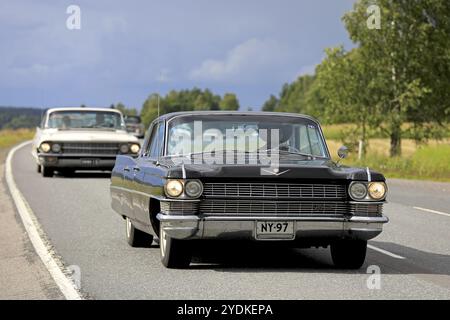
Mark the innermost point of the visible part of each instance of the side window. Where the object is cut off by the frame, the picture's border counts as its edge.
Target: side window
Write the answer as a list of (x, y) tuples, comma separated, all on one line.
[(156, 141), (151, 139), (314, 138)]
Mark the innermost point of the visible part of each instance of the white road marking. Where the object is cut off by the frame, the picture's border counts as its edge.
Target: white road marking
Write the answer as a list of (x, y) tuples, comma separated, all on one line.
[(29, 220), (393, 255), (433, 211)]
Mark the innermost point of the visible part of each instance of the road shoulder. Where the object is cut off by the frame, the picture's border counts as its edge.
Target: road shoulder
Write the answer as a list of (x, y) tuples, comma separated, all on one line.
[(24, 276)]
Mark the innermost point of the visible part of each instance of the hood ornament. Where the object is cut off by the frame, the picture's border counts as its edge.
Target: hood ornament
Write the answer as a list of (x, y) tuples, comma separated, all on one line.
[(274, 172)]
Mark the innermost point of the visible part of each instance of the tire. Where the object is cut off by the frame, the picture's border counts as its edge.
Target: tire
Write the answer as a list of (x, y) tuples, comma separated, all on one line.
[(175, 254), (136, 237), (349, 254), (38, 168), (47, 172)]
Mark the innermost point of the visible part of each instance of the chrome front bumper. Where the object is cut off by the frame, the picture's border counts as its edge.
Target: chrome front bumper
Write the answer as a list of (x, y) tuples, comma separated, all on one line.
[(244, 228)]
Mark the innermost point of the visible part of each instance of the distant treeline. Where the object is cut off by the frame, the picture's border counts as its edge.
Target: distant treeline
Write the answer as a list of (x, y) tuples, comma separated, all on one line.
[(16, 117)]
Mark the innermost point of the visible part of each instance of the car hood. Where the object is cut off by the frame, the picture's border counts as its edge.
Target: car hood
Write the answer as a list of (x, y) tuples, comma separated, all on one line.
[(86, 135), (314, 169)]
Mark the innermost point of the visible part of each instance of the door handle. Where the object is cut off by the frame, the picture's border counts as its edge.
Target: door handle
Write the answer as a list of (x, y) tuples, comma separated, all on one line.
[(127, 169), (136, 169)]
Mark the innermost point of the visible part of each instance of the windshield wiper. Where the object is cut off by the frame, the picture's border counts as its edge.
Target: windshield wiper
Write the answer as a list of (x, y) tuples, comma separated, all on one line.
[(306, 155)]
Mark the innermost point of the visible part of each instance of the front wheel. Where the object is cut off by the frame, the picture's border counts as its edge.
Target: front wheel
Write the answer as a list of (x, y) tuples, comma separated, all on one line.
[(47, 172), (136, 237), (349, 254), (174, 253)]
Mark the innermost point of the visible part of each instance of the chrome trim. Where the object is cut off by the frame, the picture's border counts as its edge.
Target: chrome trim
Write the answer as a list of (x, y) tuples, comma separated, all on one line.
[(195, 227), (369, 176), (382, 219)]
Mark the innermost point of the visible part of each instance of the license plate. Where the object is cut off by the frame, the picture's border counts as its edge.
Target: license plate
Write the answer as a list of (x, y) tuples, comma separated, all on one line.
[(274, 230), (89, 162)]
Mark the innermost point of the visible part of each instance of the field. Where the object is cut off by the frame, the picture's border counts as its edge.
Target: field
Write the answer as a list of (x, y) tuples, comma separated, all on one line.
[(424, 162), (9, 138)]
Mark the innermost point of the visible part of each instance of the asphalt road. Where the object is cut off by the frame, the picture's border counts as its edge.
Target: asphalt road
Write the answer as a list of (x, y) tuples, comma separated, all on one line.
[(75, 214)]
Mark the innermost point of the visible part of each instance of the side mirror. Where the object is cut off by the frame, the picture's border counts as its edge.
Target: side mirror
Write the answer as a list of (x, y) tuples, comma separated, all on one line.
[(343, 152)]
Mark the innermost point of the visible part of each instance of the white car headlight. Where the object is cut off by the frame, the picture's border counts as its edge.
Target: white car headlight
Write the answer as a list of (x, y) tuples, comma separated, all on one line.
[(45, 147), (358, 191), (135, 148), (377, 190), (173, 188), (193, 188)]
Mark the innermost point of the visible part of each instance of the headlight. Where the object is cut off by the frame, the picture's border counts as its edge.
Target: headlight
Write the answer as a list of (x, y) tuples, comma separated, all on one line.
[(193, 188), (45, 147), (56, 147), (173, 188), (135, 148), (124, 148), (358, 191), (377, 190)]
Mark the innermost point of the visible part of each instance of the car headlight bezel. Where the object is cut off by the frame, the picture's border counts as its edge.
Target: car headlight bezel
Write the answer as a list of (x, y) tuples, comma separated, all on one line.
[(124, 148), (367, 185), (362, 187), (195, 194), (45, 147), (56, 148), (172, 185)]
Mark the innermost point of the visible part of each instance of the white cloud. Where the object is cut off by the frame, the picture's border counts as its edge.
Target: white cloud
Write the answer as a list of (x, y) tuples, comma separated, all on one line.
[(245, 61)]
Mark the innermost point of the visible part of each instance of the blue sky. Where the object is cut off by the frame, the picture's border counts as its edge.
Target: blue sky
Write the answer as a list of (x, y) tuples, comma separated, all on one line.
[(126, 50)]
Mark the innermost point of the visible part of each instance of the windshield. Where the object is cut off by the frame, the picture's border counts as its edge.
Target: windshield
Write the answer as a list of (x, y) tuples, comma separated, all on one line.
[(243, 133), (85, 119)]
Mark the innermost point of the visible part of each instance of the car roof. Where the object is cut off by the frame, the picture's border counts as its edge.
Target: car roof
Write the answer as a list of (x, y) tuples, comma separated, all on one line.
[(83, 109), (171, 115)]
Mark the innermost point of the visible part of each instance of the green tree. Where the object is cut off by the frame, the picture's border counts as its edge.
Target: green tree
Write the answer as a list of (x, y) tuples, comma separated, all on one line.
[(408, 60), (344, 86), (229, 102), (271, 104)]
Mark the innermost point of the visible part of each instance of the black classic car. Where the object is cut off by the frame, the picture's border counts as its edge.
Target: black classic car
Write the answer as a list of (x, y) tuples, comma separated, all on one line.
[(254, 176)]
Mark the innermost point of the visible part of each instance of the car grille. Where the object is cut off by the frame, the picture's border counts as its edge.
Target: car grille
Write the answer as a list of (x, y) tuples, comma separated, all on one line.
[(284, 208), (274, 190), (179, 207), (366, 210), (90, 148)]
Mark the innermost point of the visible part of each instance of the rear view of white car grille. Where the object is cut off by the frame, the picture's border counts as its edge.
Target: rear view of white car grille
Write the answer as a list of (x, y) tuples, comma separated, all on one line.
[(90, 148), (274, 190)]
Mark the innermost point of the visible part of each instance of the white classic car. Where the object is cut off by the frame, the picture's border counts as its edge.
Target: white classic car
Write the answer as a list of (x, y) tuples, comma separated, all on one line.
[(70, 139)]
